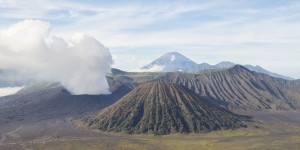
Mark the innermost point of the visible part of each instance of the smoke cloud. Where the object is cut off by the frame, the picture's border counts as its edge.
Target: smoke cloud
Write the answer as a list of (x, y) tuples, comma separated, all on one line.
[(79, 64)]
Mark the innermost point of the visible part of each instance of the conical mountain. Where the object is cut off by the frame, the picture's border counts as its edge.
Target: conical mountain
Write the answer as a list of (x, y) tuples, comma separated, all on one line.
[(163, 108), (172, 62)]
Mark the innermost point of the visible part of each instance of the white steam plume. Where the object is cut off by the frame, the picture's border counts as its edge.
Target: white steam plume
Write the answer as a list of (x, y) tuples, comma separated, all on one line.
[(79, 65)]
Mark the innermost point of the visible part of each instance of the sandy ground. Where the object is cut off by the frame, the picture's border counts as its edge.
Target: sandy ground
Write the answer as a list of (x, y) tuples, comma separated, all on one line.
[(274, 126)]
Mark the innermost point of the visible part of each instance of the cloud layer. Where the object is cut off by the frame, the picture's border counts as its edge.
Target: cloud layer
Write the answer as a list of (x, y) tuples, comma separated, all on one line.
[(153, 68), (256, 32), (79, 64)]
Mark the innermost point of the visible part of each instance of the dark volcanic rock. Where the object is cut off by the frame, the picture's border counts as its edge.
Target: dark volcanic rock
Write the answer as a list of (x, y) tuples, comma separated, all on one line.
[(163, 108)]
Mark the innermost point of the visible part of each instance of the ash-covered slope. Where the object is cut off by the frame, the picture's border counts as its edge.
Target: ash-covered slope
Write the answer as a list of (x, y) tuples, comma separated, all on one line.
[(163, 108), (50, 100), (238, 88)]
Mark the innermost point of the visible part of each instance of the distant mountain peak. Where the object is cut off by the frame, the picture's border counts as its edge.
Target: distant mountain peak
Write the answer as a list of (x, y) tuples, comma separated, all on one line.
[(264, 71), (171, 62), (173, 53), (225, 64), (175, 56)]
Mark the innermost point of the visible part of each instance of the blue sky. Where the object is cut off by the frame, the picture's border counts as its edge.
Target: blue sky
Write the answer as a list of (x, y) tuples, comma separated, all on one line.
[(257, 32)]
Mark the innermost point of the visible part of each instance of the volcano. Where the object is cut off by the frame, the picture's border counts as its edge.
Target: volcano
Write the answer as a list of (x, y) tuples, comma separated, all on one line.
[(163, 108)]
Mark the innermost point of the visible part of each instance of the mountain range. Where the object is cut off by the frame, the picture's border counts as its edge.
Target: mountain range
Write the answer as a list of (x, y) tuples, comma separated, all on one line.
[(174, 61), (236, 88)]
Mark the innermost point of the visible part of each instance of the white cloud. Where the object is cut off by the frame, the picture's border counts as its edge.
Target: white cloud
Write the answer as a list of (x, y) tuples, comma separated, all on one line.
[(4, 91), (79, 64), (154, 68)]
